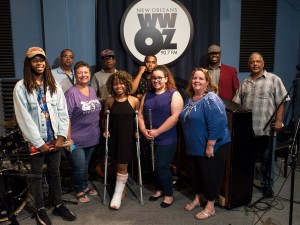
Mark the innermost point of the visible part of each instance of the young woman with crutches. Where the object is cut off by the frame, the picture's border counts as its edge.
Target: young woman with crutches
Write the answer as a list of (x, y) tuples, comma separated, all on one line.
[(121, 132)]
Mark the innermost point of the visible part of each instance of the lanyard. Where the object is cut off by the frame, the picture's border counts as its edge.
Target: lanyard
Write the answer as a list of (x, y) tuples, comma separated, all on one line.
[(71, 80)]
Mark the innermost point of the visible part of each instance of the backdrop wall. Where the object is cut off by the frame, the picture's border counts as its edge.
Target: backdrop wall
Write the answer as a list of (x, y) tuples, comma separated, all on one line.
[(71, 24)]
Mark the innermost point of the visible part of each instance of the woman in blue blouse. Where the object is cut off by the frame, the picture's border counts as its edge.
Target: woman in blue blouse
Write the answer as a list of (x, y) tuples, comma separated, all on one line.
[(166, 104), (206, 134)]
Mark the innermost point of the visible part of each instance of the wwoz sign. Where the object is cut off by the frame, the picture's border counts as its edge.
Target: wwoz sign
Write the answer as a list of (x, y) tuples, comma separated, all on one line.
[(163, 28)]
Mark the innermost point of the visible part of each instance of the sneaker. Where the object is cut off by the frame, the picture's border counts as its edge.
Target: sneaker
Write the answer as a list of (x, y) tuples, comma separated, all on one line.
[(42, 217), (64, 212)]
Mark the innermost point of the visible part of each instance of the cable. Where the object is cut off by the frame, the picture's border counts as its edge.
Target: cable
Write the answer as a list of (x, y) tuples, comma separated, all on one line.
[(273, 201)]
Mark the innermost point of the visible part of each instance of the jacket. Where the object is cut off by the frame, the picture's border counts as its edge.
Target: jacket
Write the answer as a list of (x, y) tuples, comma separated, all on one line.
[(30, 118)]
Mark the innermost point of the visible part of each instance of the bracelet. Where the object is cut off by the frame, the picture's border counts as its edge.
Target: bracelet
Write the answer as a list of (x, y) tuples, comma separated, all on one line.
[(210, 145)]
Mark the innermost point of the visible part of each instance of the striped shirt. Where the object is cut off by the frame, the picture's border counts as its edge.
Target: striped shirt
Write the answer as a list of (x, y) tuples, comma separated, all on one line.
[(263, 96)]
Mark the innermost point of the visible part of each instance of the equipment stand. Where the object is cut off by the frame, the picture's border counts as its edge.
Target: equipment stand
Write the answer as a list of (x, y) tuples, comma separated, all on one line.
[(7, 201), (294, 151)]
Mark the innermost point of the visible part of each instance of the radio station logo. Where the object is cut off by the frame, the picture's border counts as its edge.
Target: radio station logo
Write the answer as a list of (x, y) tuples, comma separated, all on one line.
[(163, 28)]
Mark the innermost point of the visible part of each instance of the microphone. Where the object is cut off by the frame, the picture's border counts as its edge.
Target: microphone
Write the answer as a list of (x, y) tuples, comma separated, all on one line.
[(136, 111), (107, 111)]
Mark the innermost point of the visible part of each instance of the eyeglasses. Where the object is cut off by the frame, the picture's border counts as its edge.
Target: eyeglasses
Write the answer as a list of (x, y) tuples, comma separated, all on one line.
[(68, 56), (214, 53), (157, 78), (108, 58)]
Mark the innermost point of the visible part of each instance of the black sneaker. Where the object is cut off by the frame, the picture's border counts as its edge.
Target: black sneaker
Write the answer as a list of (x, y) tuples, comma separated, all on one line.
[(42, 217), (64, 213)]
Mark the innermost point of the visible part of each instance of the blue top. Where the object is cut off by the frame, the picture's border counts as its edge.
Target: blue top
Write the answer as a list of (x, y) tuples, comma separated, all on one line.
[(203, 120), (160, 106)]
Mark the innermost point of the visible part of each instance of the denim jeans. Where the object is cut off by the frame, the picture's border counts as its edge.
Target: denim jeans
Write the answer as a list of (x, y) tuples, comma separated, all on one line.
[(79, 159), (53, 162), (163, 158), (263, 171), (262, 145)]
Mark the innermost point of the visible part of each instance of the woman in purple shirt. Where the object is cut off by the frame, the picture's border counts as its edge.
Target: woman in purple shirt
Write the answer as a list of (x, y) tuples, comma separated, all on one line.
[(165, 104), (84, 109)]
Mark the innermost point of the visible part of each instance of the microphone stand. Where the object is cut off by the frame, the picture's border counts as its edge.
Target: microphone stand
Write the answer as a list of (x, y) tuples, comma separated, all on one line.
[(294, 151)]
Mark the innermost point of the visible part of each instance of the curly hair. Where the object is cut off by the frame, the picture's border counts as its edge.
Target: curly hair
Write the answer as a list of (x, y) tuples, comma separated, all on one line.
[(211, 84), (29, 77), (167, 73), (121, 76)]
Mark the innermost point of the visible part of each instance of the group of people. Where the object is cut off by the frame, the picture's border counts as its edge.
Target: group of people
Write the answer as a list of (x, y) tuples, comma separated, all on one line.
[(61, 109)]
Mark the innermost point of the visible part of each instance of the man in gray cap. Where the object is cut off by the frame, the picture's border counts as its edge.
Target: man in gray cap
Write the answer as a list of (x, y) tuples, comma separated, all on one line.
[(99, 79), (224, 76)]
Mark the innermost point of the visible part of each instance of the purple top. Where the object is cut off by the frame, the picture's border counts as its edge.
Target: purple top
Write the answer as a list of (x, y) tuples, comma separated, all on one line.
[(160, 106), (84, 113)]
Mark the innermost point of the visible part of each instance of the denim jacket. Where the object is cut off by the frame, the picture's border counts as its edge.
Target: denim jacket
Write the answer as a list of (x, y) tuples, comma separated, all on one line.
[(30, 118)]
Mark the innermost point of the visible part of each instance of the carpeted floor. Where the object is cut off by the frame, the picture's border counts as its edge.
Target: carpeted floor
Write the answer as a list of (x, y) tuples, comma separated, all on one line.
[(272, 211)]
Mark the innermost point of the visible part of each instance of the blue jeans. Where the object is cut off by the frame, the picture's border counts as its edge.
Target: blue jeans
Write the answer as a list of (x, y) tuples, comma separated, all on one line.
[(263, 145), (263, 169), (79, 159), (52, 159), (163, 158)]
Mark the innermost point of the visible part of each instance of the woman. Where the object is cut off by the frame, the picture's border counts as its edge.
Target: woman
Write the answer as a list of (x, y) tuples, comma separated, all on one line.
[(40, 109), (122, 107), (166, 104), (206, 133), (84, 132)]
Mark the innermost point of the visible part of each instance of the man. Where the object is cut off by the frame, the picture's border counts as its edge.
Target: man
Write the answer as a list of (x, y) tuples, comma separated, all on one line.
[(64, 74), (41, 112), (99, 79), (262, 92), (224, 76), (142, 82)]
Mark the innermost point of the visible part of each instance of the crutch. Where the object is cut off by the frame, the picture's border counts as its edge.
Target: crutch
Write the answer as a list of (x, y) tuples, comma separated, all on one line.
[(138, 152), (152, 142), (106, 157)]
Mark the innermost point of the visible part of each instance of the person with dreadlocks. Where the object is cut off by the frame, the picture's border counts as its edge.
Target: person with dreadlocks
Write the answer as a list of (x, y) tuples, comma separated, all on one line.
[(122, 107), (41, 113)]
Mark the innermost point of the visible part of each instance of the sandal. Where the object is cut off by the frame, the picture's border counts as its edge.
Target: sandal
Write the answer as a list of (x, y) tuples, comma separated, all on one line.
[(191, 206), (203, 215), (81, 197), (90, 191)]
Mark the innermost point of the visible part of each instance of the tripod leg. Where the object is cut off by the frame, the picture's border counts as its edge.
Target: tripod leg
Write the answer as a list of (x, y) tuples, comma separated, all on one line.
[(294, 151), (7, 201)]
